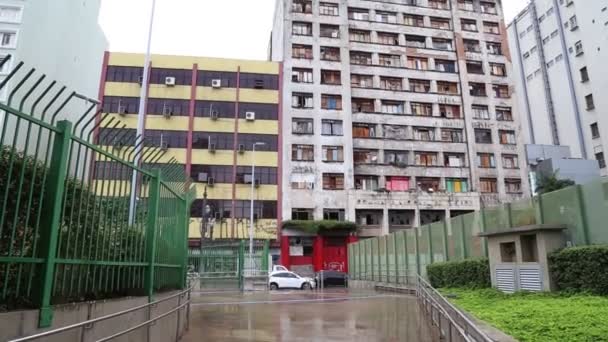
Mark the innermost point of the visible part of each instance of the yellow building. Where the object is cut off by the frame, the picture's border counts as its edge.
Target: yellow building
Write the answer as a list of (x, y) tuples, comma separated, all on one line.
[(207, 113)]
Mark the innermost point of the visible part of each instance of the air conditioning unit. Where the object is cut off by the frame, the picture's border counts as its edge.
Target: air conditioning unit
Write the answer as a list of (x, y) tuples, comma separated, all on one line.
[(250, 116), (216, 83), (167, 112), (210, 181), (218, 216), (256, 217), (247, 179), (212, 148), (335, 34), (241, 148), (256, 183), (122, 110), (170, 81), (214, 115), (164, 145), (202, 177), (140, 80)]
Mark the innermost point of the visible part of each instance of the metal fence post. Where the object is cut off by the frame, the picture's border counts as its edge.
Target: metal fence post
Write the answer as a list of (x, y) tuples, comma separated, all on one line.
[(51, 215), (151, 230), (265, 253), (185, 223), (241, 263)]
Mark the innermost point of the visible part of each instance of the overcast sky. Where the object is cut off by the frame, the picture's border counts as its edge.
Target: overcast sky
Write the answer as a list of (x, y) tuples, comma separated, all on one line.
[(214, 28)]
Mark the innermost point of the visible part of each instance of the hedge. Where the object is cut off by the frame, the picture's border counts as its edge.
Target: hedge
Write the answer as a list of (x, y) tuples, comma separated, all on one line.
[(581, 269), (473, 273), (316, 226)]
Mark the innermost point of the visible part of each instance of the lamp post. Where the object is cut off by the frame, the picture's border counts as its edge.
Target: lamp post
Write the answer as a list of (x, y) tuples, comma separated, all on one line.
[(252, 199), (205, 217)]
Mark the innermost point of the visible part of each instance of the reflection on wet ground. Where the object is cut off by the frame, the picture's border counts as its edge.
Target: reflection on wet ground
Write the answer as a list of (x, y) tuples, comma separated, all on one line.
[(332, 315)]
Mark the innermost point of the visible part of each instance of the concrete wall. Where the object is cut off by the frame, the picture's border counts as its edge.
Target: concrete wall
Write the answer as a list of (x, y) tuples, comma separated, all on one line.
[(24, 323)]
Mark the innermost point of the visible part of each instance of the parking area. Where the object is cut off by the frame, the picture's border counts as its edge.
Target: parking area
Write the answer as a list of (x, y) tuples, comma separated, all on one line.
[(293, 315)]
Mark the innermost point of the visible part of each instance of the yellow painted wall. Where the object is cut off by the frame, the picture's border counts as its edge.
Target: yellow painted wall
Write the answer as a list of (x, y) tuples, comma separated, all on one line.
[(175, 123), (122, 89), (259, 95), (161, 91), (115, 188), (224, 157), (208, 125), (243, 192), (261, 158), (263, 229), (227, 125), (220, 191)]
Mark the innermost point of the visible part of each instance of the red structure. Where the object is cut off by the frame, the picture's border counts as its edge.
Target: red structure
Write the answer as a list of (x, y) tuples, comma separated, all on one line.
[(328, 252)]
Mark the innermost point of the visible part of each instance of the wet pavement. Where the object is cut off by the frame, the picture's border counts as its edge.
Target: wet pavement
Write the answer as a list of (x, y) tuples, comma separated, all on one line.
[(331, 315)]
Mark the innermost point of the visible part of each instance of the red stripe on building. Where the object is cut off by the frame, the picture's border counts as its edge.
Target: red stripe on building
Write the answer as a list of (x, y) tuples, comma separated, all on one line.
[(100, 95), (191, 119), (234, 152), (280, 157)]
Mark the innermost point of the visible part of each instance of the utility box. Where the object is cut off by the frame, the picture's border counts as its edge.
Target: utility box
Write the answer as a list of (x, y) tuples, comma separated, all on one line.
[(518, 256)]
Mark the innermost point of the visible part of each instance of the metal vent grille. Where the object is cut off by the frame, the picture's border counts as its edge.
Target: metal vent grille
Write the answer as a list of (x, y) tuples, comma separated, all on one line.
[(505, 279), (530, 279)]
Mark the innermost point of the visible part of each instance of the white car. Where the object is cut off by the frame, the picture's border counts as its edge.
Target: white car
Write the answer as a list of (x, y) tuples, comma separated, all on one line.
[(289, 280)]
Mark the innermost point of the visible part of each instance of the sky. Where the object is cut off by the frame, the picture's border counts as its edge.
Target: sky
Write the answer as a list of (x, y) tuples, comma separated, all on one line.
[(212, 28)]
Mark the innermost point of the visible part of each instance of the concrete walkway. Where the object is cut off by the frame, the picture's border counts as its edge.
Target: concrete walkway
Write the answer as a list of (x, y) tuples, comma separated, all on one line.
[(332, 315)]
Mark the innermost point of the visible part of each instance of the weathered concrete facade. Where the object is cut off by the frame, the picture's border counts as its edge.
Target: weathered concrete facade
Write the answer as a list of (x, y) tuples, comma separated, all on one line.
[(399, 93)]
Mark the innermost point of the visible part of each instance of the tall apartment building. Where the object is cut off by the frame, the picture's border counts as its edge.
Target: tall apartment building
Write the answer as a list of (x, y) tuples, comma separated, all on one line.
[(207, 113), (395, 114), (559, 56)]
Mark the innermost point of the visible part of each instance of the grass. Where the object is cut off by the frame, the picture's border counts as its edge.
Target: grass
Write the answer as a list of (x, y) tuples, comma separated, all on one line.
[(532, 317)]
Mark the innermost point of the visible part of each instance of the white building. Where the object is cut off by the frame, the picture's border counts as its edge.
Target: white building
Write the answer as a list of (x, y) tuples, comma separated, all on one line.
[(560, 49), (60, 38), (396, 113)]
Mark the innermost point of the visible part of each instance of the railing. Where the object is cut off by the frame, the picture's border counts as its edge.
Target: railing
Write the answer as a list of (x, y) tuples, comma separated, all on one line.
[(183, 304), (451, 323)]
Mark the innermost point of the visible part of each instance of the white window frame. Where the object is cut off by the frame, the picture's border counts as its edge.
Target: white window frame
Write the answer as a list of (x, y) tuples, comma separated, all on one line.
[(19, 17), (15, 40)]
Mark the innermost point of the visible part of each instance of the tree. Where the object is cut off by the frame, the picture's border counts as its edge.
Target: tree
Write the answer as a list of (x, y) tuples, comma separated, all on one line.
[(550, 183)]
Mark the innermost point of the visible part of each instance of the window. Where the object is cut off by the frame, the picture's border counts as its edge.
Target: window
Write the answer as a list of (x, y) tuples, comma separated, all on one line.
[(425, 158), (360, 58), (361, 130), (456, 185), (424, 133), (360, 36), (422, 109), (450, 88), (391, 83), (488, 185), (333, 102), (481, 112), (301, 100), (331, 77), (507, 252), (513, 186), (510, 161), (554, 34), (440, 23), (333, 214), (413, 20), (395, 183), (116, 73), (494, 48), (331, 127), (452, 135), (477, 89), (10, 14), (302, 152), (366, 183), (333, 153), (439, 4), (386, 38), (546, 40), (8, 39), (589, 102), (486, 160), (454, 160), (395, 132), (330, 53), (498, 69), (362, 105), (449, 111), (475, 67), (333, 181), (386, 17), (595, 131), (526, 55), (301, 51), (302, 181), (487, 7), (397, 158), (490, 27), (600, 159), (471, 45), (483, 136), (445, 65), (301, 75), (415, 41), (579, 48), (301, 6), (428, 184), (420, 86), (573, 23), (389, 60), (442, 44), (327, 8), (584, 75), (361, 81), (468, 25), (361, 156), (501, 91), (392, 107), (465, 5), (417, 63), (541, 18), (302, 214), (507, 137), (504, 114), (301, 29), (329, 31), (302, 126), (358, 14)]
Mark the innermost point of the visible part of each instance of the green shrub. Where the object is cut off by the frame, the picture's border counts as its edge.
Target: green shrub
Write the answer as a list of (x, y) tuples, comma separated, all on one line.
[(473, 273), (316, 226), (581, 269)]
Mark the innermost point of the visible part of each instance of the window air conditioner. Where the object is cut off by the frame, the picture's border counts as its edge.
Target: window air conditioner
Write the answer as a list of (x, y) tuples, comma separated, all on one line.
[(212, 148), (217, 83), (210, 181), (164, 145), (250, 116), (214, 115), (241, 148), (170, 81), (167, 112), (202, 177)]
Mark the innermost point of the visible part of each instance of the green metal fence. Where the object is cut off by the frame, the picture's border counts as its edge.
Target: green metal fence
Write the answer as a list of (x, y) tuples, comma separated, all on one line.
[(582, 208), (65, 230)]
